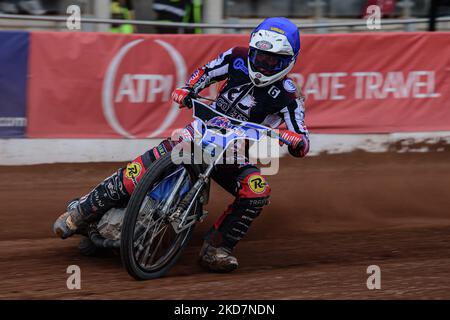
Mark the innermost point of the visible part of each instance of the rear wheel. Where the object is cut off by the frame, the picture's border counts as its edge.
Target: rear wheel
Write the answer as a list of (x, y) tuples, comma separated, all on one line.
[(149, 244)]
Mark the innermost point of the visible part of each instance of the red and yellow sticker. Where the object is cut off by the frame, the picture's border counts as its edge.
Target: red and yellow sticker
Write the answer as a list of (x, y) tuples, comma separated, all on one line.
[(257, 184), (133, 170)]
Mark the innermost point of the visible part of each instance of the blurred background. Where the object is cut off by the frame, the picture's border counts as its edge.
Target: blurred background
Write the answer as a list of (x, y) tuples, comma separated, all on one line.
[(317, 16)]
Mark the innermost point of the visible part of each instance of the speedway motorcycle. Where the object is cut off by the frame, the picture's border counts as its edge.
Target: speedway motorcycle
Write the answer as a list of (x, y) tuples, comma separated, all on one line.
[(158, 221)]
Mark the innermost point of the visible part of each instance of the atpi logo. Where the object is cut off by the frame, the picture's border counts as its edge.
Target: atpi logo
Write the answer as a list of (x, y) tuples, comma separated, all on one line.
[(138, 80)]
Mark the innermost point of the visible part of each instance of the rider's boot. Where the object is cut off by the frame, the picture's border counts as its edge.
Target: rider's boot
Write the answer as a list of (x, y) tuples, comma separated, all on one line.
[(69, 222), (217, 259), (110, 193), (229, 229)]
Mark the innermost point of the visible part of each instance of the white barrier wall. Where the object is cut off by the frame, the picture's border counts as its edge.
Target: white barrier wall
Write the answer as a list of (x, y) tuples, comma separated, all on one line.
[(35, 151)]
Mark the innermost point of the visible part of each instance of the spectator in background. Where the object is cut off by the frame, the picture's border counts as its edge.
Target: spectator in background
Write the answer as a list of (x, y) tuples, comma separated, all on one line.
[(33, 7), (178, 11), (123, 10)]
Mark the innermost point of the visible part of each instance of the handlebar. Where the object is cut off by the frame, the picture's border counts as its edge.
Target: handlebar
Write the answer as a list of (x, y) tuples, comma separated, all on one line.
[(197, 96), (271, 132)]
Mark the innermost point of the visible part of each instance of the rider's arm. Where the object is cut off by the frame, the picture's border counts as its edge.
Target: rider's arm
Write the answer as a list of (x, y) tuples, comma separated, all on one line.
[(214, 71), (294, 116)]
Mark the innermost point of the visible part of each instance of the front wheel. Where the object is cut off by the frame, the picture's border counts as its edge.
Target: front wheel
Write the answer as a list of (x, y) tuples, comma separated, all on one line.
[(149, 245)]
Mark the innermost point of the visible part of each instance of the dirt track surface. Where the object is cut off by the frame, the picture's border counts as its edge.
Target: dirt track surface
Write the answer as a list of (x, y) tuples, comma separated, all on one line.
[(331, 217)]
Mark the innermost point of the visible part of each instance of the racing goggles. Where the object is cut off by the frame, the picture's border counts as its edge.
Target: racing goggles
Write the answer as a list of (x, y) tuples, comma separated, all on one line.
[(268, 63)]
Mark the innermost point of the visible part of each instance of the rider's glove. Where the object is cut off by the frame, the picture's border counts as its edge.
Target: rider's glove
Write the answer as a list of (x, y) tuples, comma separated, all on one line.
[(299, 144), (182, 96)]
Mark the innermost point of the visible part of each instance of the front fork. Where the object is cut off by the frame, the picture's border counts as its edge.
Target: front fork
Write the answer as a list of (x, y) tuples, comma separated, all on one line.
[(180, 218)]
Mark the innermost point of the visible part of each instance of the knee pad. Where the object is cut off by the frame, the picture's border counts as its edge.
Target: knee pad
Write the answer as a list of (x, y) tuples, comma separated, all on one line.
[(132, 173), (134, 170), (253, 193)]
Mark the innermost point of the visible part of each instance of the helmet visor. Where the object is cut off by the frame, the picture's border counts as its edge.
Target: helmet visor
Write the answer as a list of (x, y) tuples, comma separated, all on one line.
[(268, 63)]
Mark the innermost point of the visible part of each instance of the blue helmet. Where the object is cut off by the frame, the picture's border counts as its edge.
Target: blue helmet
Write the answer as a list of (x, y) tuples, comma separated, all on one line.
[(274, 48)]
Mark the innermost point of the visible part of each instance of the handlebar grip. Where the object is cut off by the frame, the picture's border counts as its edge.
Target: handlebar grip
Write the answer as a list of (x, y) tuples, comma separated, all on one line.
[(286, 142), (275, 135)]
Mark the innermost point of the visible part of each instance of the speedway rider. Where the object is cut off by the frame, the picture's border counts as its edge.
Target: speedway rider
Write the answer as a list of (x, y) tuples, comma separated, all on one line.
[(256, 89)]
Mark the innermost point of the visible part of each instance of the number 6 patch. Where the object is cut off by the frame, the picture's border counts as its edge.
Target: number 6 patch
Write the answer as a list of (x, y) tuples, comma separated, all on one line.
[(274, 91)]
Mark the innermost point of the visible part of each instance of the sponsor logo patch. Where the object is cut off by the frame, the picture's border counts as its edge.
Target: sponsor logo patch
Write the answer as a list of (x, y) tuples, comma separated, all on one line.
[(264, 45), (133, 170), (257, 184), (161, 150), (243, 106), (289, 85), (239, 64)]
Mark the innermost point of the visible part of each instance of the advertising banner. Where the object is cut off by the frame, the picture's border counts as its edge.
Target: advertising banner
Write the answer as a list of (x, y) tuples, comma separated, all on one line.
[(13, 82), (93, 85)]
